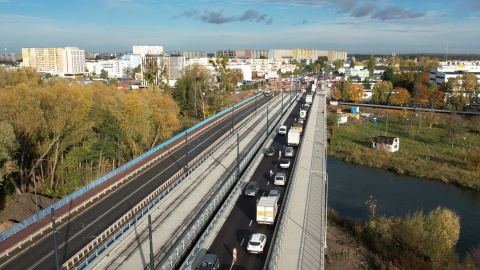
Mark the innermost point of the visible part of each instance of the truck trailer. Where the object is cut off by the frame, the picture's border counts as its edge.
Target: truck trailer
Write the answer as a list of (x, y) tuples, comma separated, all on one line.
[(293, 137), (309, 98), (267, 210)]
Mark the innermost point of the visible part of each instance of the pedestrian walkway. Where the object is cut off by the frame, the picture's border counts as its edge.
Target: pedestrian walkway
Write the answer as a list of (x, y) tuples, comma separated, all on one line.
[(304, 238)]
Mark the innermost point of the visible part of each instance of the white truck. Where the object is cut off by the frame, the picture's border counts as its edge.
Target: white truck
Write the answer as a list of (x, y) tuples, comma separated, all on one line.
[(303, 114), (293, 137), (309, 99), (267, 210)]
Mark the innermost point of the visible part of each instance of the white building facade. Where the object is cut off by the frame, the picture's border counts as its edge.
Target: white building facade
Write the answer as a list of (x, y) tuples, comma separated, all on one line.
[(66, 61), (143, 50)]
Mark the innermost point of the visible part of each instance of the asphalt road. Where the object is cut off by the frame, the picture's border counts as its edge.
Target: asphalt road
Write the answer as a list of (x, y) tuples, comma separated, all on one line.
[(241, 222), (82, 228)]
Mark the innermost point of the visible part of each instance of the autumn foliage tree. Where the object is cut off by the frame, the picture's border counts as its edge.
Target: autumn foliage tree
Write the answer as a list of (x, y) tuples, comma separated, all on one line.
[(399, 96), (356, 92), (380, 91), (66, 134)]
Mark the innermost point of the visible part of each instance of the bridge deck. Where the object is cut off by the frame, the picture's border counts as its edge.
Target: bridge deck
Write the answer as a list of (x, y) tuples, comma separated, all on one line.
[(304, 237)]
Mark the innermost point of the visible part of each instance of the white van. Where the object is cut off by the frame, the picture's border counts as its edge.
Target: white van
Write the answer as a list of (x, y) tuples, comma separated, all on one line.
[(303, 114), (282, 130)]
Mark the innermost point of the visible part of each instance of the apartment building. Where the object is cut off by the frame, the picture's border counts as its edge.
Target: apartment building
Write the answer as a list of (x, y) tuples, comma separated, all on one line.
[(281, 54), (334, 55), (66, 61), (143, 50), (230, 54)]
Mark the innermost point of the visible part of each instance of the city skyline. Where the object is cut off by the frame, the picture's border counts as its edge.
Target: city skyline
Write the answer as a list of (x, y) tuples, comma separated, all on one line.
[(367, 27)]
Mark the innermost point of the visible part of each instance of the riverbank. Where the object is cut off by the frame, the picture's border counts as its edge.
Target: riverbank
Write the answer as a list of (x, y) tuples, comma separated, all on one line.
[(433, 146)]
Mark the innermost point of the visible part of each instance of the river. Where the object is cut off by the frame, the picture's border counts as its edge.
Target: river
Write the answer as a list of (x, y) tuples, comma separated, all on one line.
[(350, 186)]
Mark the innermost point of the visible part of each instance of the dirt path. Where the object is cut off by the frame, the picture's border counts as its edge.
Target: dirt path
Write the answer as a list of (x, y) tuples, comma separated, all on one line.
[(343, 252)]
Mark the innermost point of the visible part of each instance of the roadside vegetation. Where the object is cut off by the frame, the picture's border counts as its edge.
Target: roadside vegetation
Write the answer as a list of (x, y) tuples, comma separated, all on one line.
[(443, 147), (59, 135), (417, 241)]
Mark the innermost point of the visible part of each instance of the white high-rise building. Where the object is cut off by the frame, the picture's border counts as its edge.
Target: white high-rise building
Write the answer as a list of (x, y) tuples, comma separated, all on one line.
[(145, 49), (67, 61)]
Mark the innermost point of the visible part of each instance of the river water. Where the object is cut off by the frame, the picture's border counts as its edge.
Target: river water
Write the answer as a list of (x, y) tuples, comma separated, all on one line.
[(350, 186)]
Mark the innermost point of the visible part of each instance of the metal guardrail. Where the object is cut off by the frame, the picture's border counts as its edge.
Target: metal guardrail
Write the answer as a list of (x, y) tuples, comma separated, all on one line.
[(275, 248), (98, 245), (250, 158), (47, 211), (317, 170), (201, 220)]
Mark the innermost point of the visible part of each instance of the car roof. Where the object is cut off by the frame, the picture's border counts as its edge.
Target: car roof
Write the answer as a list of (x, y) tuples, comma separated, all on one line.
[(256, 236), (209, 258)]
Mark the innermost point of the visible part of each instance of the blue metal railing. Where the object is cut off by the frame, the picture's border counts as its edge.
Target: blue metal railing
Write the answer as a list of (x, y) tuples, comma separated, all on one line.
[(47, 211)]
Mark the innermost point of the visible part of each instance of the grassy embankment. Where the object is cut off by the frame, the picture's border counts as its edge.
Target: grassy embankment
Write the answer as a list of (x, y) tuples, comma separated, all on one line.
[(438, 151)]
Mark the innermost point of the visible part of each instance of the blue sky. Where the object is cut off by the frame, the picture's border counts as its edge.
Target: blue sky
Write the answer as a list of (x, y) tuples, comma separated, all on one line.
[(358, 26)]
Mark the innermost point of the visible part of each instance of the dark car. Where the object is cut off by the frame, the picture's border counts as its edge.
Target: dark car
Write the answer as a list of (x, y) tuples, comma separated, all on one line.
[(208, 262), (270, 152), (251, 188)]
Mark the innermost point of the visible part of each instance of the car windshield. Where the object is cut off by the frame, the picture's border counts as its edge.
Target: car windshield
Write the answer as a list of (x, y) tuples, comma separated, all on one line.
[(254, 243), (273, 193), (285, 161)]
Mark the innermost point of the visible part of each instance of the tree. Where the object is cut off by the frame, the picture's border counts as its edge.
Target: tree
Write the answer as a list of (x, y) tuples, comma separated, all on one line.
[(338, 64), (236, 76), (128, 72), (367, 84), (404, 79), (399, 96), (453, 128), (356, 92), (420, 94), (442, 227), (388, 75), (193, 92), (103, 74), (20, 106), (380, 91), (472, 156), (470, 87), (8, 147), (456, 96), (352, 63), (336, 90), (164, 121), (346, 89), (153, 66), (371, 66)]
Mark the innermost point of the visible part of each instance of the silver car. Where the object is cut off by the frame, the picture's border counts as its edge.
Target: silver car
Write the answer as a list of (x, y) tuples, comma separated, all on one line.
[(289, 151), (280, 179), (251, 189)]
